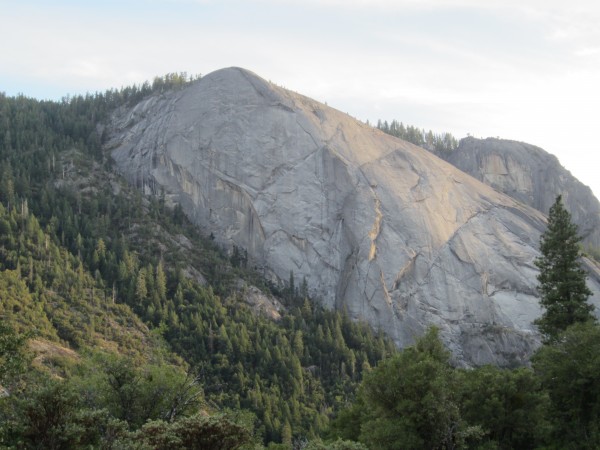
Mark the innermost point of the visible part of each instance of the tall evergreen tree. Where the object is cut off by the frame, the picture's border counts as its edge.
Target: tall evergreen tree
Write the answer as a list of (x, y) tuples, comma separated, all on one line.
[(562, 281)]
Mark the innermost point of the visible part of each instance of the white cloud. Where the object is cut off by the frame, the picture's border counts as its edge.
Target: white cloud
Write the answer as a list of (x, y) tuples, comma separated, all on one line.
[(588, 51)]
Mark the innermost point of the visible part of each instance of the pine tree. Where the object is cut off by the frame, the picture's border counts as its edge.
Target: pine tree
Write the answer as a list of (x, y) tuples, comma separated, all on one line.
[(161, 282), (141, 287), (562, 282)]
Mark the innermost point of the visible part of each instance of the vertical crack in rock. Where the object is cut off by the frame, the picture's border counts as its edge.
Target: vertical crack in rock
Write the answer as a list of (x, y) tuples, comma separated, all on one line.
[(374, 233)]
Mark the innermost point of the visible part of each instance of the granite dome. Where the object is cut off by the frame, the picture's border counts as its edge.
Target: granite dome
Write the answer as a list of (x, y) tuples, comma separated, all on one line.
[(378, 226)]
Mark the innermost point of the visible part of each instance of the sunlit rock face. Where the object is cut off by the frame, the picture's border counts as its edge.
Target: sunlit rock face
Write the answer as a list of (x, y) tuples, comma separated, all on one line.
[(530, 175), (377, 226)]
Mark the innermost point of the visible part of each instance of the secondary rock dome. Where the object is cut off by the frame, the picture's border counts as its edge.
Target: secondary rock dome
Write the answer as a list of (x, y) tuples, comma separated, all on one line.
[(530, 175)]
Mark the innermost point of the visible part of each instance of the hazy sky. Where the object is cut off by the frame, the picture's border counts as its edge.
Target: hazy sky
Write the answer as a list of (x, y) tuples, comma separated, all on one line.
[(527, 70)]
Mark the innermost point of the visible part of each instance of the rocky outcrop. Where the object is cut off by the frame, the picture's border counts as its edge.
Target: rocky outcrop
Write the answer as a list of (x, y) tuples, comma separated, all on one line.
[(259, 302), (530, 175), (378, 226)]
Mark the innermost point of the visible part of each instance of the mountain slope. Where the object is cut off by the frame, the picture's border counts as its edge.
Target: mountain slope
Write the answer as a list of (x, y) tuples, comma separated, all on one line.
[(377, 226)]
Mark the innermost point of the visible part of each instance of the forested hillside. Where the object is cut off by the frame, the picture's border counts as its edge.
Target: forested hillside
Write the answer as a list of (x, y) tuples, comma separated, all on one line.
[(125, 326), (89, 264)]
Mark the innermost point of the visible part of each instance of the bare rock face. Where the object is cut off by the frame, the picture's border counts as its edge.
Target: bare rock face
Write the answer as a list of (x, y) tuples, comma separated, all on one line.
[(378, 226), (530, 175)]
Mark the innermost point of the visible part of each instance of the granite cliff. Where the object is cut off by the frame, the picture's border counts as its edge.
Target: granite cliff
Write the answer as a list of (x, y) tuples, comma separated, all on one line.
[(377, 226), (531, 176)]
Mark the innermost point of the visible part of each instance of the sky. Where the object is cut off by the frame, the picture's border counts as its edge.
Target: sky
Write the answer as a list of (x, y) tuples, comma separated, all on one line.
[(526, 70)]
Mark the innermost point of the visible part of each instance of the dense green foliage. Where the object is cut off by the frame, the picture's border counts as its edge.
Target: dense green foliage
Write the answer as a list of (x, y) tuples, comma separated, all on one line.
[(429, 140), (13, 355), (417, 400), (410, 400), (508, 406), (123, 405), (569, 370), (562, 281)]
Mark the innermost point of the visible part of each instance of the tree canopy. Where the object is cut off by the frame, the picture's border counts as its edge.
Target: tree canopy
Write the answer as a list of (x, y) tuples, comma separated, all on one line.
[(418, 400), (439, 143), (569, 370)]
